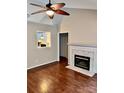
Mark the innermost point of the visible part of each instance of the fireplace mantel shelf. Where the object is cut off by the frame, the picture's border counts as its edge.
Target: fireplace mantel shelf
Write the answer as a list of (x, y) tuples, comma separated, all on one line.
[(82, 45)]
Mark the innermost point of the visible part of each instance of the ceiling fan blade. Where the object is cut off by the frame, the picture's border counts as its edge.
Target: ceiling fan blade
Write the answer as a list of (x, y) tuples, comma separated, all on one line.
[(61, 12), (37, 5), (57, 6), (40, 11)]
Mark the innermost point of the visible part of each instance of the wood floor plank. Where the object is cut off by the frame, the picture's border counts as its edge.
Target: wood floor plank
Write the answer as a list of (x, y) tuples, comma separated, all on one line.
[(55, 78)]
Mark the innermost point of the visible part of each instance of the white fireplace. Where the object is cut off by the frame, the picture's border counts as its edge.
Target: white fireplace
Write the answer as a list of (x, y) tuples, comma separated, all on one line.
[(86, 52)]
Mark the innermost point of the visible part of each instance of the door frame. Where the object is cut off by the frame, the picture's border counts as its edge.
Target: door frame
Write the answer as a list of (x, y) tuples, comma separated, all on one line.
[(58, 39)]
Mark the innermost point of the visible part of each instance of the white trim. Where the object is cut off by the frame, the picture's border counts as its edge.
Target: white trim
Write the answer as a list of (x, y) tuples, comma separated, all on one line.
[(63, 32), (58, 46), (41, 64)]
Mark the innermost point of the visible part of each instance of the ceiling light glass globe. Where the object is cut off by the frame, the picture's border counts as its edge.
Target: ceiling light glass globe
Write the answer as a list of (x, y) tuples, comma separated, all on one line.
[(50, 13)]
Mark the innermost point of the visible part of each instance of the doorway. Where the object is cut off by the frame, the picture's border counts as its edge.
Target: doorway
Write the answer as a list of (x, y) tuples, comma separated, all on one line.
[(63, 46)]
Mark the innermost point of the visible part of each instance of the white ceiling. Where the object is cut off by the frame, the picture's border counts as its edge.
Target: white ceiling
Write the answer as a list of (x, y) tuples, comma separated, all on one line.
[(82, 4)]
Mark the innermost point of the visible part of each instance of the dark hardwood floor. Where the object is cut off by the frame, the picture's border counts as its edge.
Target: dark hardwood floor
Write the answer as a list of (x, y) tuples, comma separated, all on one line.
[(55, 78)]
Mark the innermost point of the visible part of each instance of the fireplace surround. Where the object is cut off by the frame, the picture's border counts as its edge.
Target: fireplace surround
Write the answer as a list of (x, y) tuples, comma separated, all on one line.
[(85, 55)]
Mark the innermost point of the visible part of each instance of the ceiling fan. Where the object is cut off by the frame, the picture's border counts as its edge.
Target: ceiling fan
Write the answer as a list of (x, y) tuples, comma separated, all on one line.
[(50, 9)]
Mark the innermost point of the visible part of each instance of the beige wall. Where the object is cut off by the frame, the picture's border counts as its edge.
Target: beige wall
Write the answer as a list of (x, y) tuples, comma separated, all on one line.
[(38, 56), (81, 25)]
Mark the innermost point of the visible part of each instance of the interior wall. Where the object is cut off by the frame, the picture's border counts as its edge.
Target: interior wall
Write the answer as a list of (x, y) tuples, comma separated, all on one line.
[(81, 25), (63, 44), (38, 56)]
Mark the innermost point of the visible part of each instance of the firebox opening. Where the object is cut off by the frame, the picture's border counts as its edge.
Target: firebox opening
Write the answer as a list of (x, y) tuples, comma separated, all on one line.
[(82, 62)]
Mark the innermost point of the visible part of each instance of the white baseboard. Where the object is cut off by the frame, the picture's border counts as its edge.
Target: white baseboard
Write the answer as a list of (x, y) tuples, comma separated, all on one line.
[(41, 64)]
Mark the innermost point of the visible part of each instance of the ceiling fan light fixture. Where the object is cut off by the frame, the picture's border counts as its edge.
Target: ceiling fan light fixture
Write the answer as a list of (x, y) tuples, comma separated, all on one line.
[(50, 13)]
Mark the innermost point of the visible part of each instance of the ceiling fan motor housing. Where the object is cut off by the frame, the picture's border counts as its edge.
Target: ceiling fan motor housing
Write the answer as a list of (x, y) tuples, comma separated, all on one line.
[(48, 5)]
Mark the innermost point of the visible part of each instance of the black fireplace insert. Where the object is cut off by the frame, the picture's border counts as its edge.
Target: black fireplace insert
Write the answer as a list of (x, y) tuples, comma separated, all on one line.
[(82, 62)]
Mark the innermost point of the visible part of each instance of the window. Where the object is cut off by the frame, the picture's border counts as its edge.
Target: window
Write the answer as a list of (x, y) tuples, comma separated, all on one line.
[(43, 39)]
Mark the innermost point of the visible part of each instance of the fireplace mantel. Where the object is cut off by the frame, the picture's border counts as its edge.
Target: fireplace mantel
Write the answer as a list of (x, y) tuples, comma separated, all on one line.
[(88, 50), (82, 45)]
